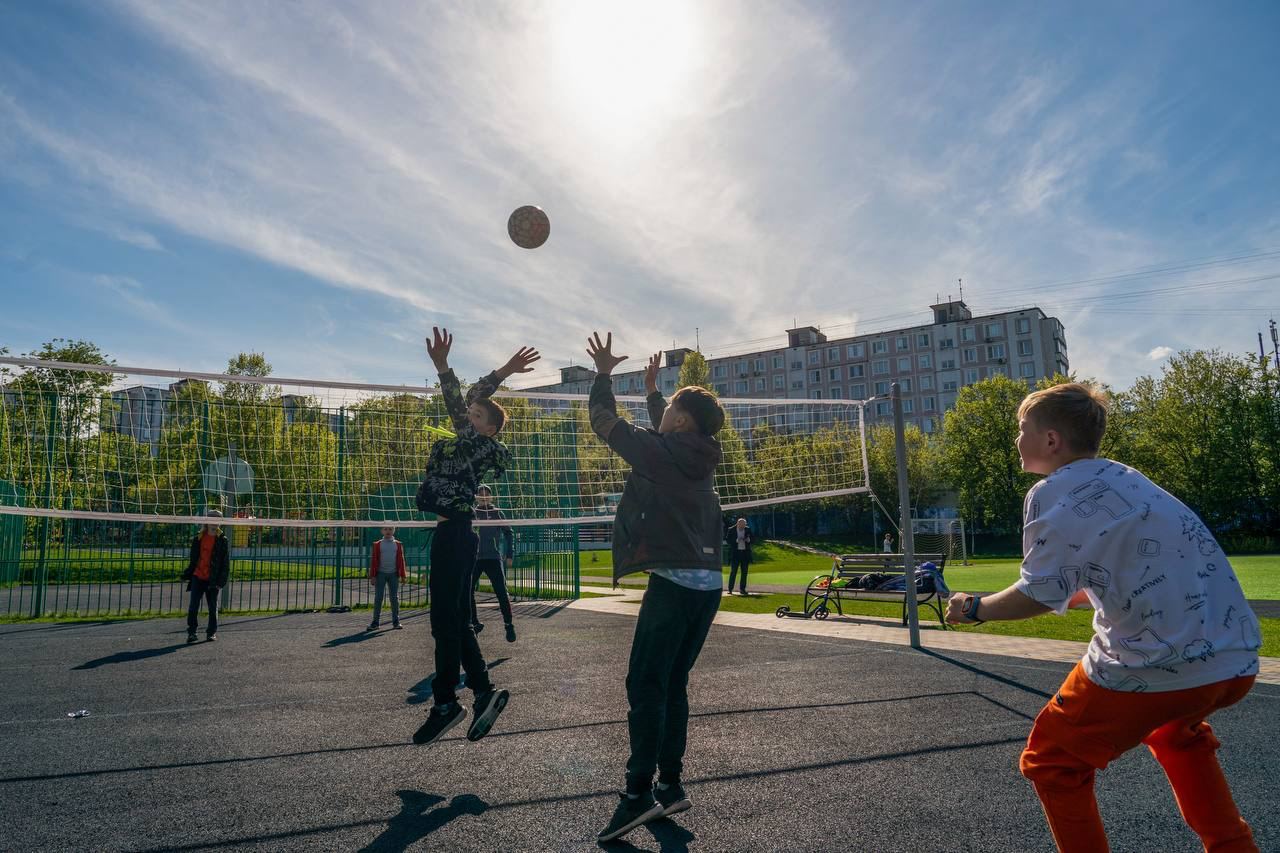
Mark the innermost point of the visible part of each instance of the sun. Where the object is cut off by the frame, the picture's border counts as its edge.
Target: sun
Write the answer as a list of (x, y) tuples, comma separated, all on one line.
[(623, 69)]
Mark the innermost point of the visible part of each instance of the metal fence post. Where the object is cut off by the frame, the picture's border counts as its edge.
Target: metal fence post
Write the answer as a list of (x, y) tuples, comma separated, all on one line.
[(337, 531)]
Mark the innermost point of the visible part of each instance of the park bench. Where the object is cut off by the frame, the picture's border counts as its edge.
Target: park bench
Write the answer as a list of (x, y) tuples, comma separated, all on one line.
[(837, 586)]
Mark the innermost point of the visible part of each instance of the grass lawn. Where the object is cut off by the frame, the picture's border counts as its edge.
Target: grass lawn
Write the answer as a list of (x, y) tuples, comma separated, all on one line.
[(1075, 625)]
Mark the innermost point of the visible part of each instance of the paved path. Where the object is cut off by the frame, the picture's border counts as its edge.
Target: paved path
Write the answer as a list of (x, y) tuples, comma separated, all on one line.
[(878, 629)]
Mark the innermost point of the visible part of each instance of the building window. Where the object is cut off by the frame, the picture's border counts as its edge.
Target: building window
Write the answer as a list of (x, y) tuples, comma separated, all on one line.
[(740, 387), (968, 334), (882, 409), (857, 371), (904, 343), (857, 392), (926, 383), (995, 330), (797, 385), (970, 355), (882, 388), (760, 384), (904, 364), (926, 425), (1024, 347), (815, 375), (718, 371), (926, 361), (879, 347), (856, 350), (778, 362), (742, 368), (834, 374), (797, 365), (1023, 325), (836, 393), (908, 406), (1027, 370), (779, 382), (995, 351), (922, 340), (946, 343), (815, 394), (947, 364), (670, 384), (815, 357), (722, 388), (929, 404), (998, 370), (833, 353), (949, 386), (905, 384), (881, 367), (970, 375)]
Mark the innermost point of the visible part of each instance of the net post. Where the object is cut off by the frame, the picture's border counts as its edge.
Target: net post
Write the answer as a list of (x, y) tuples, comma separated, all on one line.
[(337, 531), (904, 513), (42, 567)]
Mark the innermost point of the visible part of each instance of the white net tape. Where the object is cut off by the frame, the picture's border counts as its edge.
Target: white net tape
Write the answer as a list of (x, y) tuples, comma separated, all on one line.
[(140, 444)]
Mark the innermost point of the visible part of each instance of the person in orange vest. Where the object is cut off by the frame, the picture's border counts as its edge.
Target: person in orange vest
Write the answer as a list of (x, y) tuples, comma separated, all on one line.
[(207, 572), (386, 569)]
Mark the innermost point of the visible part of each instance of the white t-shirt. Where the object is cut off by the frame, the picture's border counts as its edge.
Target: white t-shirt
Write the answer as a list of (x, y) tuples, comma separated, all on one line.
[(742, 538), (1170, 611), (387, 556), (703, 580)]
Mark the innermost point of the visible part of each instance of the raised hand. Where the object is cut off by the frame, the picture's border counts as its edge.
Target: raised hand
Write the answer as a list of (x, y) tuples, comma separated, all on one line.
[(602, 354), (438, 346), (519, 363), (651, 373)]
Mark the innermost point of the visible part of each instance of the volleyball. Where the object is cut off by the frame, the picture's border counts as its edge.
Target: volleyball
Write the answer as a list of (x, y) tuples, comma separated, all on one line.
[(528, 227)]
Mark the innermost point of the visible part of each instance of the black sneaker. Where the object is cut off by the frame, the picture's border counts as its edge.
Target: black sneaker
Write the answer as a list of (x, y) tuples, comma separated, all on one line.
[(477, 628), (673, 799), (372, 627), (396, 626), (631, 812), (191, 637), (213, 638), (511, 633), (440, 720), (488, 707)]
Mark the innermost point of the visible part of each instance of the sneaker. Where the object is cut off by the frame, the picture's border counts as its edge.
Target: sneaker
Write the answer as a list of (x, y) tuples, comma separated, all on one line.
[(673, 799), (191, 637), (440, 720), (373, 626), (477, 628), (213, 638), (631, 812), (396, 626), (488, 707), (511, 633), (728, 592)]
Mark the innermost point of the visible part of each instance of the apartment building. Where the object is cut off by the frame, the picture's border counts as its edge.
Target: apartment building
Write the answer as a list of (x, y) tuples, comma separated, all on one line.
[(931, 362)]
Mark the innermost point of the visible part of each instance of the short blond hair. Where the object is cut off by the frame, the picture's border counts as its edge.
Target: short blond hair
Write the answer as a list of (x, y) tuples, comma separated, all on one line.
[(1078, 412)]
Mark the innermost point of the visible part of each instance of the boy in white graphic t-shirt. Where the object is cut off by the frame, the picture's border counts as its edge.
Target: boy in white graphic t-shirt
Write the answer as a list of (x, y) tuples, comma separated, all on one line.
[(1175, 639)]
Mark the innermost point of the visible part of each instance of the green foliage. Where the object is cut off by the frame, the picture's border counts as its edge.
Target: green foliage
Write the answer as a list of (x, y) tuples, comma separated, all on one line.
[(249, 364), (925, 472), (694, 371)]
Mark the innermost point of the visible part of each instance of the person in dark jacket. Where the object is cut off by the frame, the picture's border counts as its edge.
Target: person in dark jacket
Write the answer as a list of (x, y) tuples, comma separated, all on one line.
[(739, 539), (497, 550), (454, 471), (667, 523), (207, 572)]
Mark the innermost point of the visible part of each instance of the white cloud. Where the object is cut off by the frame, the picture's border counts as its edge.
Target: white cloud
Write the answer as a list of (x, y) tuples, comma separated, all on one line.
[(1160, 353)]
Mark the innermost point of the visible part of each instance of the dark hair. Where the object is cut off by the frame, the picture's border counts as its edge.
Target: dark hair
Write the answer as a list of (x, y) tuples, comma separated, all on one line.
[(701, 405), (496, 414)]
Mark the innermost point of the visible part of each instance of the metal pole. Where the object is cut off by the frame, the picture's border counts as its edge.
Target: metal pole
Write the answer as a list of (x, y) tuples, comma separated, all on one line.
[(42, 567), (337, 531), (904, 513)]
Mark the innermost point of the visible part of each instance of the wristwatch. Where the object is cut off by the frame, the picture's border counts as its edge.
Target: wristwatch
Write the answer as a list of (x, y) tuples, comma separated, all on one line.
[(970, 609)]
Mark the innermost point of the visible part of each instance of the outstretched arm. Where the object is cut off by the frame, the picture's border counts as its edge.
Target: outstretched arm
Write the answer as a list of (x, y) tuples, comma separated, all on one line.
[(966, 609), (638, 447), (438, 346), (518, 363), (655, 402)]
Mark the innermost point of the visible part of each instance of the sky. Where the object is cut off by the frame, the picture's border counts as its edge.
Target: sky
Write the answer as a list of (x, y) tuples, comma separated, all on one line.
[(323, 182)]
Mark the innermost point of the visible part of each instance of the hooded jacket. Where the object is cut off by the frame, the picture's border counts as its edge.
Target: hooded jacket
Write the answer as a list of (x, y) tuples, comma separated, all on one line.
[(669, 515)]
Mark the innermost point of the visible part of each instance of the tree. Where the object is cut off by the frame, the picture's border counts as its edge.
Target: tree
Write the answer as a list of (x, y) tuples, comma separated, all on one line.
[(924, 466), (694, 371), (979, 455), (249, 364)]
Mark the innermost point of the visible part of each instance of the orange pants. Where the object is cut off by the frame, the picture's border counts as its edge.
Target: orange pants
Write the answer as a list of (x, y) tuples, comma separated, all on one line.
[(1085, 727)]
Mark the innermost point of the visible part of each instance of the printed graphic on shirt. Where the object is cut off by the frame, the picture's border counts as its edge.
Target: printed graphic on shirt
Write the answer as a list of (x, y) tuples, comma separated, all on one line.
[(1171, 614)]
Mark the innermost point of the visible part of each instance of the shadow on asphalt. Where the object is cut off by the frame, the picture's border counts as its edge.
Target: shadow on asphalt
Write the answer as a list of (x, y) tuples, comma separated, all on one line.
[(421, 692), (130, 657), (977, 670), (419, 817)]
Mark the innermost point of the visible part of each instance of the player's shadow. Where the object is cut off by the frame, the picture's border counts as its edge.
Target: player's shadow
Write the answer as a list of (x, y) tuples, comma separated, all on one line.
[(130, 657), (671, 838), (421, 692), (419, 817), (358, 637)]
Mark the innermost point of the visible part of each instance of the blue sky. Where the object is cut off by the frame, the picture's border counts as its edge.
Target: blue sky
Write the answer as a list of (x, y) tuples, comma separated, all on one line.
[(323, 182)]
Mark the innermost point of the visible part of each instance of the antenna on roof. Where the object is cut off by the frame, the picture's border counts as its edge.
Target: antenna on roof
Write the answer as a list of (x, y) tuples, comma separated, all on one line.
[(961, 288)]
